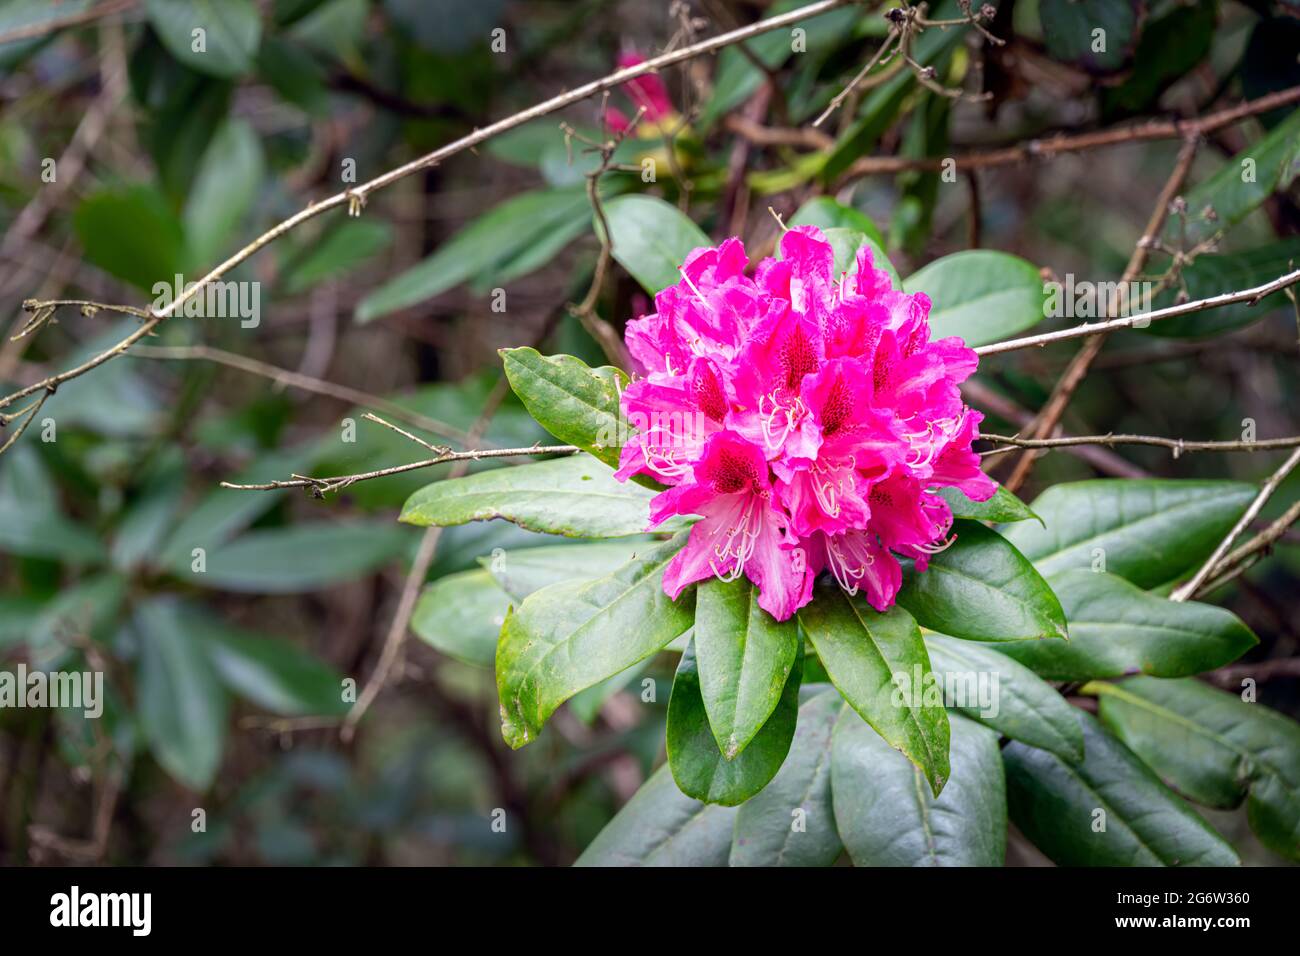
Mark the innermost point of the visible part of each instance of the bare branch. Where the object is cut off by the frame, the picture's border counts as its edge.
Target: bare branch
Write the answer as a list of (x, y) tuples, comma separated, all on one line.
[(1250, 296), (1212, 562)]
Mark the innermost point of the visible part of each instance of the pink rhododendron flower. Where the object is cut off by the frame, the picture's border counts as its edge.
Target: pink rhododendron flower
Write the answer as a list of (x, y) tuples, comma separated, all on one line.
[(807, 419), (646, 92)]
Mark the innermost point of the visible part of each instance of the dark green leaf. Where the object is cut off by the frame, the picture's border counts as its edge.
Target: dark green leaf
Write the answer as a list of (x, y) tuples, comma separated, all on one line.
[(825, 213), (1149, 531), (699, 766), (1242, 183), (980, 295), (745, 659), (269, 671), (878, 662), (651, 239), (983, 589), (498, 246), (224, 190), (887, 816), (572, 635), (1108, 811), (575, 403), (1118, 629), (1214, 748), (1211, 275), (575, 496), (1070, 28), (1003, 507), (228, 44), (340, 251), (661, 826), (1019, 704), (791, 822), (301, 558), (181, 702), (522, 571), (461, 615), (131, 233)]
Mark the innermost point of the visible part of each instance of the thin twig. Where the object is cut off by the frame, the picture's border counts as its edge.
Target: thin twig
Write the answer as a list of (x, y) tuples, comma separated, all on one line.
[(324, 486), (1251, 296), (298, 380), (1177, 445), (41, 28), (1041, 148), (356, 197), (1185, 591), (1078, 368)]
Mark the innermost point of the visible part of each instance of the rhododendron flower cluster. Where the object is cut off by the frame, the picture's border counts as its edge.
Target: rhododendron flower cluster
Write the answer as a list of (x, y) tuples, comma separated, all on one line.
[(807, 419)]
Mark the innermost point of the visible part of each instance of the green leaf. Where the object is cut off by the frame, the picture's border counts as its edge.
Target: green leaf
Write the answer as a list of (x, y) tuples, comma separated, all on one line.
[(575, 496), (699, 766), (17, 14), (268, 671), (980, 295), (1068, 27), (149, 517), (1210, 275), (983, 589), (1118, 629), (224, 190), (587, 704), (518, 236), (1271, 163), (572, 635), (1002, 507), (882, 105), (461, 615), (661, 826), (1171, 47), (1149, 531), (651, 239), (130, 232), (766, 833), (231, 29), (222, 513), (745, 659), (847, 242), (1062, 808), (575, 403), (825, 213), (1021, 705), (340, 251), (873, 659), (886, 815), (1214, 748), (521, 572), (31, 523), (301, 558), (181, 703)]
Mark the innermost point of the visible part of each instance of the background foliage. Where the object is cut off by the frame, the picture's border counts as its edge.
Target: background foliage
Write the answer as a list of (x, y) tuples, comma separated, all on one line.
[(225, 685)]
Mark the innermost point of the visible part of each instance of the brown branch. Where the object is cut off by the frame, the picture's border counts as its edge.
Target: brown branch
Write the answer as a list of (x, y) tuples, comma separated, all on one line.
[(1094, 330), (1080, 142), (300, 381), (41, 28), (1077, 370), (1177, 445), (1213, 564), (324, 486), (356, 197)]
